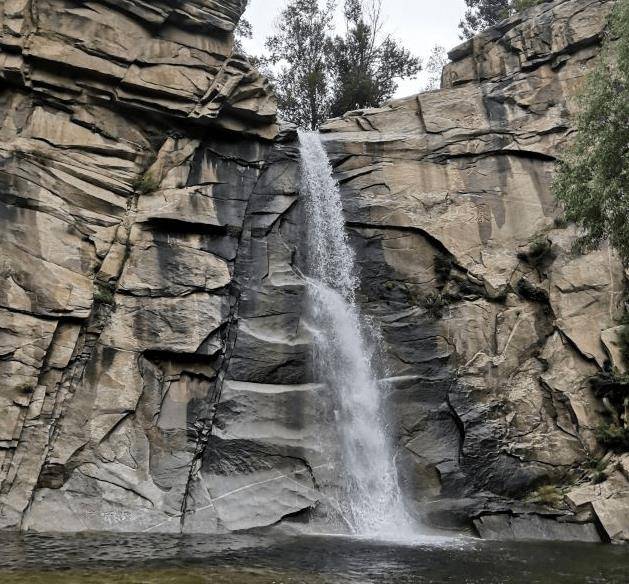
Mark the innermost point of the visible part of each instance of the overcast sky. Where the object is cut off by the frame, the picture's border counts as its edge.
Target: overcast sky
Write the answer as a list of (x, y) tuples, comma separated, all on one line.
[(419, 24)]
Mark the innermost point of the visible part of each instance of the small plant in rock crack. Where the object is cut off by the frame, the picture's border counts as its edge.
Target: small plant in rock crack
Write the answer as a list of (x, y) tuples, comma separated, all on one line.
[(597, 469), (103, 295), (548, 495), (24, 388), (434, 304), (560, 222), (538, 254), (145, 184), (613, 389)]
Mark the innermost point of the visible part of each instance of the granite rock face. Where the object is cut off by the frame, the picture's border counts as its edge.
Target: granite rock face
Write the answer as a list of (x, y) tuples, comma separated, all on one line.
[(131, 142), (154, 356)]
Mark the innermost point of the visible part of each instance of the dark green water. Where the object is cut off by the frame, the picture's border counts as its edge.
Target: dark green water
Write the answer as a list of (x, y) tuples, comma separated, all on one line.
[(272, 559)]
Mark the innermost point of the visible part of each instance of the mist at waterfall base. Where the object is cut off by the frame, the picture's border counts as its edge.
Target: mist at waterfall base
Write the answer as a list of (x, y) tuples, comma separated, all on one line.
[(345, 347)]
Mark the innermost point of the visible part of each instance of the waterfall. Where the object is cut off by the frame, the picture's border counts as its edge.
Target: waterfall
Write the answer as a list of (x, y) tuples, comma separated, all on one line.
[(370, 499)]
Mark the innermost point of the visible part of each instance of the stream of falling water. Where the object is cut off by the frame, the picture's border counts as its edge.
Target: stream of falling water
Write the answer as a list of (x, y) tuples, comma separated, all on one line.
[(370, 499)]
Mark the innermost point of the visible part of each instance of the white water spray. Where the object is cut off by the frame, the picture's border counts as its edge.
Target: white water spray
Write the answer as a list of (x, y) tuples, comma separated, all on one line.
[(371, 501)]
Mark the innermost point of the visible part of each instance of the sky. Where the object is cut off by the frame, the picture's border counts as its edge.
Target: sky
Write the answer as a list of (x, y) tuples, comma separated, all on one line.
[(419, 24)]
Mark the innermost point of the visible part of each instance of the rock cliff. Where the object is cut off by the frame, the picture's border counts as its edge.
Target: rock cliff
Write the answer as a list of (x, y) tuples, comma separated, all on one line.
[(155, 364)]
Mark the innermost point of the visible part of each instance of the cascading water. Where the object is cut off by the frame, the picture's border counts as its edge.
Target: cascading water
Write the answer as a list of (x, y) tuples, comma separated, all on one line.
[(370, 500)]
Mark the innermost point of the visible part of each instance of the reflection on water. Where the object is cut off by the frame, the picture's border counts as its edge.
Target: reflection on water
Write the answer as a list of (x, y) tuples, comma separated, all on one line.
[(272, 559)]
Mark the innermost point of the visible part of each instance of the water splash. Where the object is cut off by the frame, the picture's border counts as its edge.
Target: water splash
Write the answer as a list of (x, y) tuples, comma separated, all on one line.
[(371, 501)]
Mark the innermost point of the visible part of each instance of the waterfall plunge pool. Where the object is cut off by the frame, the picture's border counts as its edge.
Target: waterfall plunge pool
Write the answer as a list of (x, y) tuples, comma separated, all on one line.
[(272, 558)]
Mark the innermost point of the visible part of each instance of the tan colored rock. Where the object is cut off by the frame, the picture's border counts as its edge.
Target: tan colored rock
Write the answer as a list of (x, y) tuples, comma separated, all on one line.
[(118, 54), (524, 41), (24, 342), (586, 294), (167, 324), (171, 267), (568, 376), (611, 341), (610, 502)]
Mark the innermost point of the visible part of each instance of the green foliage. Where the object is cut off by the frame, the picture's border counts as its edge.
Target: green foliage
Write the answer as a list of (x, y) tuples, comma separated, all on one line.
[(482, 14), (365, 64), (548, 495), (299, 45), (103, 295), (613, 436), (320, 74), (434, 304), (146, 184), (598, 469), (437, 60), (593, 179), (243, 31)]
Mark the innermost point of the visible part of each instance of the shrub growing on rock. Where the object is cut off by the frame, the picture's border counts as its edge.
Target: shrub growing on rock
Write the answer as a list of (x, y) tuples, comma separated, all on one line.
[(103, 295), (146, 184), (613, 389), (613, 436), (593, 179), (434, 305), (598, 469), (548, 495)]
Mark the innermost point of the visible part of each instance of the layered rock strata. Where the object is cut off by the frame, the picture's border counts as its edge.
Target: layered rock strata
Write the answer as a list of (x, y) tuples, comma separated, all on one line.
[(154, 357)]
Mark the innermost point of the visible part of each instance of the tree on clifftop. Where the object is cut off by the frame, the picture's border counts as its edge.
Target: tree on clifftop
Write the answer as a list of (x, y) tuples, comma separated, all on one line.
[(593, 178), (298, 48), (318, 74), (482, 14), (437, 60), (366, 63)]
